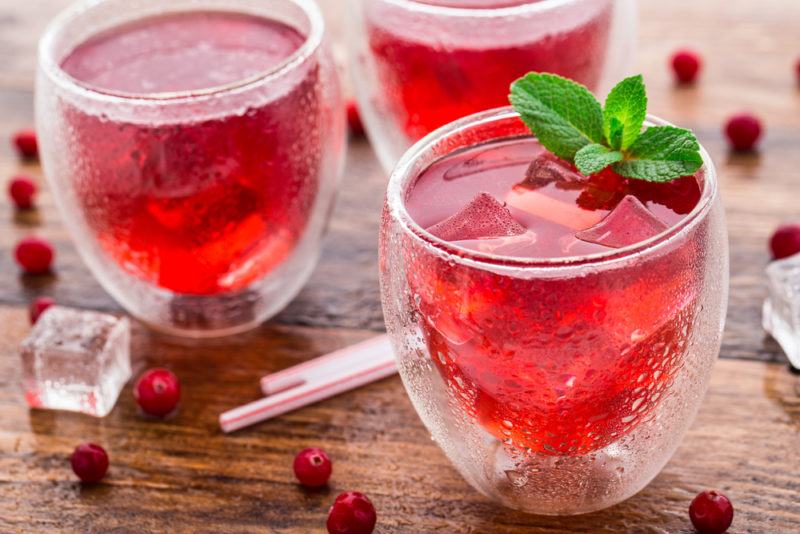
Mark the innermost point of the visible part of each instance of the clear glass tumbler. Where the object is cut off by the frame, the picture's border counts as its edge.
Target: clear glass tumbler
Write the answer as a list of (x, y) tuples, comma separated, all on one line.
[(421, 64), (555, 386), (201, 211)]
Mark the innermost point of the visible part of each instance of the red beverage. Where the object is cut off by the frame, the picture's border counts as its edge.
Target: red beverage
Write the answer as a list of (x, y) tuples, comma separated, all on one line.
[(429, 78), (559, 365), (205, 202)]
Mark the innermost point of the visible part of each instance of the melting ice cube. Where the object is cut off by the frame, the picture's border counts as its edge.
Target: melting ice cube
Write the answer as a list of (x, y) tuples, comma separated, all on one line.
[(548, 168), (502, 246), (782, 307), (483, 217), (629, 223), (76, 360)]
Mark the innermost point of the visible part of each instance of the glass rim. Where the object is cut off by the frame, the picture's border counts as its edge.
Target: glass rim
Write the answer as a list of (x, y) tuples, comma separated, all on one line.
[(530, 6), (70, 15), (402, 175)]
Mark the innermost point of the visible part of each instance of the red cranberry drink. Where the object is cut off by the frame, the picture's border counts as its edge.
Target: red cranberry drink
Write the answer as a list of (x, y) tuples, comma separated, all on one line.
[(203, 158), (425, 63), (198, 207), (428, 82), (555, 301), (586, 347)]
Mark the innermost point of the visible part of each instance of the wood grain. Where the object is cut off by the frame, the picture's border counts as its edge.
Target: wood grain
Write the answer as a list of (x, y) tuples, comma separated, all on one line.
[(184, 475)]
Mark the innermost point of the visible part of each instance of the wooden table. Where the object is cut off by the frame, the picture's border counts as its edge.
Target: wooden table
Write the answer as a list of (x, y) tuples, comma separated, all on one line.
[(184, 475)]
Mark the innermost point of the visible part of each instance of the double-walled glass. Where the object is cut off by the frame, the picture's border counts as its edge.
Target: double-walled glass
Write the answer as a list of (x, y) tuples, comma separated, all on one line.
[(421, 64), (555, 386), (200, 211)]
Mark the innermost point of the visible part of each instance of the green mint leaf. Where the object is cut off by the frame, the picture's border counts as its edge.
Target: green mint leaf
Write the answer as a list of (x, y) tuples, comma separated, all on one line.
[(563, 114), (626, 107), (594, 158), (661, 154), (615, 131)]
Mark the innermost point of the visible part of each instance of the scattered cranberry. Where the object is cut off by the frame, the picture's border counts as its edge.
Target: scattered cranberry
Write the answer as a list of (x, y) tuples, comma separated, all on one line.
[(26, 143), (711, 512), (157, 391), (35, 255), (743, 131), (38, 306), (22, 190), (354, 119), (89, 462), (352, 513), (686, 65), (797, 69), (312, 467), (785, 241)]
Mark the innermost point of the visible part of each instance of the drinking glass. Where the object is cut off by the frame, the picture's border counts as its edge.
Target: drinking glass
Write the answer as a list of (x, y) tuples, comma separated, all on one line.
[(421, 64), (200, 211), (555, 386)]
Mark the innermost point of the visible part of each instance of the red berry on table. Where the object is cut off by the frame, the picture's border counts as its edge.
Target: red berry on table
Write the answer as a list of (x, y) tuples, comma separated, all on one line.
[(38, 306), (22, 191), (711, 512), (785, 241), (90, 462), (743, 131), (34, 255), (686, 65), (26, 144), (352, 513), (157, 392), (354, 119), (312, 467)]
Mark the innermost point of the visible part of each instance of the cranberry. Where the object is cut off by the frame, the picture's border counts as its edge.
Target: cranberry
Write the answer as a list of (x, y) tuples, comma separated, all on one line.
[(26, 143), (743, 131), (90, 462), (35, 255), (797, 69), (686, 65), (352, 513), (785, 241), (312, 467), (157, 391), (38, 306), (22, 190), (354, 119), (711, 512)]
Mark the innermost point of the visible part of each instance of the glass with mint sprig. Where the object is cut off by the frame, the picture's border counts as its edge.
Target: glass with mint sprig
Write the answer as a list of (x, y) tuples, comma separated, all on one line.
[(570, 122)]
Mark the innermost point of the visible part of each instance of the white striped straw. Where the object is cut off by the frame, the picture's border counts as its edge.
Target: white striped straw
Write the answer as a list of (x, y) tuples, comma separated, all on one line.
[(321, 386), (354, 358)]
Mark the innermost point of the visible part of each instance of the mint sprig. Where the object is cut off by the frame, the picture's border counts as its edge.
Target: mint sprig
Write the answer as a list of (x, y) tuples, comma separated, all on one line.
[(569, 122)]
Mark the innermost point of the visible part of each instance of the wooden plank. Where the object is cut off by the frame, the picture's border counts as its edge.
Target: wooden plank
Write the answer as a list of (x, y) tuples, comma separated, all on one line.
[(184, 475)]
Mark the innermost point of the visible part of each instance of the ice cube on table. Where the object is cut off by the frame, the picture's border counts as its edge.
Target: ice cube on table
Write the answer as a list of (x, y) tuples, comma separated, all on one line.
[(781, 313), (76, 360), (483, 217), (627, 224)]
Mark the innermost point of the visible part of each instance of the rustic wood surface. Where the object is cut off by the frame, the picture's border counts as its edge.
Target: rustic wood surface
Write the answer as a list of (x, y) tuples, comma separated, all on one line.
[(184, 475)]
